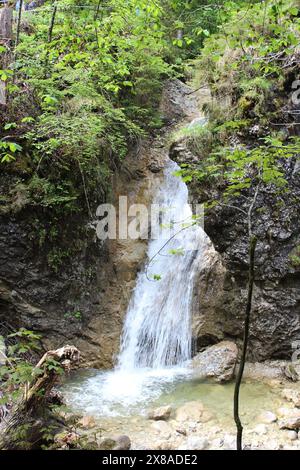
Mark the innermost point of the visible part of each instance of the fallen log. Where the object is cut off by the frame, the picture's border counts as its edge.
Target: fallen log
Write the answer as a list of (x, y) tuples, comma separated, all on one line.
[(31, 418)]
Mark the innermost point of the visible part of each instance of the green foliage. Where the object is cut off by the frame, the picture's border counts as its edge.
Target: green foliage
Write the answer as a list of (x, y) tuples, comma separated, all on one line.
[(56, 257), (93, 88), (8, 150), (26, 341), (248, 53), (54, 366), (294, 256), (245, 62), (199, 139), (76, 315), (48, 194), (18, 370), (83, 97), (262, 162), (190, 22), (176, 252)]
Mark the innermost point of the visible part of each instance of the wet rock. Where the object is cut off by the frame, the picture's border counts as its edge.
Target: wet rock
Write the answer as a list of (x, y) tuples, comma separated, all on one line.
[(291, 422), (208, 302), (155, 166), (195, 443), (181, 154), (122, 443), (162, 413), (292, 396), (217, 362), (180, 429), (55, 397), (270, 370), (177, 103), (206, 416), (87, 422), (290, 372), (107, 443), (162, 427), (190, 411), (267, 417)]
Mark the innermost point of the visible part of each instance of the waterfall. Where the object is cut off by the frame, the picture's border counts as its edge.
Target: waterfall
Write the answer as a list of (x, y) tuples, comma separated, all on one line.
[(157, 331), (156, 339)]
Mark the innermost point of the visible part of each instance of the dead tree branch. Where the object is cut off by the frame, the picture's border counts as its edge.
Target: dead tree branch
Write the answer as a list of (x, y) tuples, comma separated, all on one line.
[(23, 427)]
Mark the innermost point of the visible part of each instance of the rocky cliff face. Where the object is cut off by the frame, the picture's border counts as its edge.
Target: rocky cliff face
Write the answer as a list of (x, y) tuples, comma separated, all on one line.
[(80, 296), (222, 286)]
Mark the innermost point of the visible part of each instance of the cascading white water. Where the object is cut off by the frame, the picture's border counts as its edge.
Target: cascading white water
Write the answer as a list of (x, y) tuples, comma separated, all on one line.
[(157, 331), (156, 340)]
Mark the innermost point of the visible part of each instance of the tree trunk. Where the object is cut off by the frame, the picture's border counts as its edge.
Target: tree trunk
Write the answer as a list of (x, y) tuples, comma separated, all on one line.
[(25, 426), (6, 19), (252, 246)]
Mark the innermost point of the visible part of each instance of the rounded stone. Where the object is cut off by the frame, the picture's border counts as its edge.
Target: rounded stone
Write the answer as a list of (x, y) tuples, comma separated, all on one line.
[(291, 435), (267, 417)]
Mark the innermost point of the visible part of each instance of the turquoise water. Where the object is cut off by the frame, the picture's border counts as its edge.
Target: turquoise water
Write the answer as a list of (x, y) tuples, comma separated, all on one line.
[(116, 394)]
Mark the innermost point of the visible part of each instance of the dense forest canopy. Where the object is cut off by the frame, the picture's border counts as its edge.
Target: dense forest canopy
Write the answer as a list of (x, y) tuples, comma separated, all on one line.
[(89, 77)]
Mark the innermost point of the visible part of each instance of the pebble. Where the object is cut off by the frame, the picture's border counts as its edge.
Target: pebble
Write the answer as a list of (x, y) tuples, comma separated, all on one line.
[(260, 429), (195, 443), (267, 417), (291, 435)]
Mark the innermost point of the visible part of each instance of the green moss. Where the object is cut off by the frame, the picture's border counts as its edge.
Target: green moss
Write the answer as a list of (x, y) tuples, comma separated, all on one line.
[(56, 257), (294, 256)]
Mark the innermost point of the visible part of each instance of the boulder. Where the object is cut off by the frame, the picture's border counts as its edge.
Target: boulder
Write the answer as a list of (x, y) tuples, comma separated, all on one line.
[(162, 413), (217, 362), (288, 412), (267, 417), (290, 422), (87, 422), (190, 411), (291, 435), (107, 443), (290, 372), (162, 427), (292, 395), (195, 443), (206, 416), (122, 443)]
